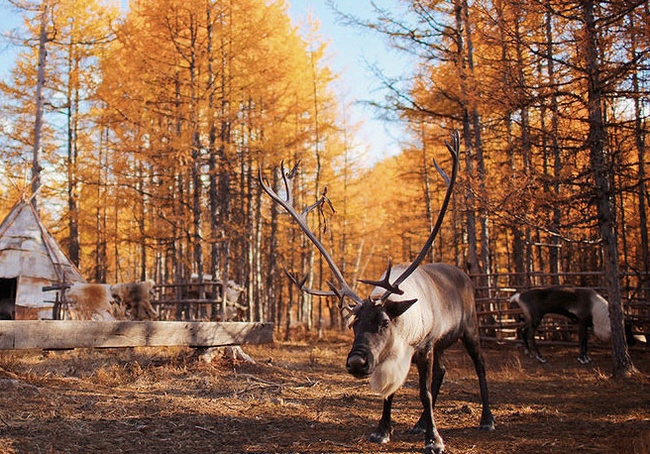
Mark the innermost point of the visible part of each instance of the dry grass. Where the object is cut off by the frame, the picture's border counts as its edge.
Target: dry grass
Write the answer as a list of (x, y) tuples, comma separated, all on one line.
[(298, 398)]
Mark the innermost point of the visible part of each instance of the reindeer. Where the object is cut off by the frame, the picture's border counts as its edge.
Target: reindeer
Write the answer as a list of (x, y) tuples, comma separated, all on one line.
[(412, 315), (583, 306)]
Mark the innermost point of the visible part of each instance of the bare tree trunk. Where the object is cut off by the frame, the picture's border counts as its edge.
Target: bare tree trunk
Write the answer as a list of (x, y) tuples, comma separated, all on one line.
[(604, 191), (336, 316), (475, 120), (554, 253), (100, 272), (271, 279), (142, 221), (517, 258), (38, 121), (72, 96), (213, 194), (319, 323), (426, 182), (256, 259), (197, 189), (472, 263), (224, 205), (639, 134)]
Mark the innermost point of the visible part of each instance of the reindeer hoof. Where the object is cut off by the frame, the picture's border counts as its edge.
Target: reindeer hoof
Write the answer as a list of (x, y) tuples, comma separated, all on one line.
[(379, 436), (584, 359), (541, 359), (435, 448), (488, 425)]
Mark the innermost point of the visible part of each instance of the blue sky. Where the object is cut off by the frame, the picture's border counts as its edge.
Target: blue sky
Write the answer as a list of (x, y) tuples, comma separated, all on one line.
[(350, 52), (8, 21)]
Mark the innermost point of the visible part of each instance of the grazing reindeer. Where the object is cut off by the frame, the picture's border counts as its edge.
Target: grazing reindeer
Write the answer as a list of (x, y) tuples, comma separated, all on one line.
[(582, 306), (412, 315)]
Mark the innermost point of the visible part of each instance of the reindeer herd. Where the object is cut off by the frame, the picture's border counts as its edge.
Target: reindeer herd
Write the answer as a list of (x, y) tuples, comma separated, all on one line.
[(417, 311)]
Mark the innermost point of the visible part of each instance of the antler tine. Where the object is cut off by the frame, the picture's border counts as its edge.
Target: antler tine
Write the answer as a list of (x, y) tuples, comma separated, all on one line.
[(385, 282), (292, 277), (286, 179), (454, 151), (301, 218), (300, 283)]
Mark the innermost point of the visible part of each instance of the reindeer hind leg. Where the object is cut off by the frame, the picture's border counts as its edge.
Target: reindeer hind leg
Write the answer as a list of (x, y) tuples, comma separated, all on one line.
[(531, 345), (583, 335), (473, 348)]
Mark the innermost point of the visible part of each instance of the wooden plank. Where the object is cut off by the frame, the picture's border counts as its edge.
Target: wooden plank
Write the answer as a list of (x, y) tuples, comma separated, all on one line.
[(68, 334)]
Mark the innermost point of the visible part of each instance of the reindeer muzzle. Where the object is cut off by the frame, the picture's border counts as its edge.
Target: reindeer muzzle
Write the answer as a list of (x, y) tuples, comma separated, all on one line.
[(358, 364)]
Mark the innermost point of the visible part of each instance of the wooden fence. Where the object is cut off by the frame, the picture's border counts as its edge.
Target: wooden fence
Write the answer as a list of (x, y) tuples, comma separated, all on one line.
[(192, 302)]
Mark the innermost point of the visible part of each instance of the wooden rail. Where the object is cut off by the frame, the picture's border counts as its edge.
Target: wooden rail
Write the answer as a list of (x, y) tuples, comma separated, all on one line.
[(69, 334)]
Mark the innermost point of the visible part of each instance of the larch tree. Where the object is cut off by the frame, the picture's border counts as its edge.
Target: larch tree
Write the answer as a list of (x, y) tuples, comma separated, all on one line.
[(198, 97), (71, 34), (44, 19), (81, 34), (603, 179), (24, 100)]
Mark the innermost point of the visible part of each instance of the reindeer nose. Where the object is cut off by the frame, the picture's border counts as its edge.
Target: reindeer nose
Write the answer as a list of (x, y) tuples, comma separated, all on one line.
[(357, 365)]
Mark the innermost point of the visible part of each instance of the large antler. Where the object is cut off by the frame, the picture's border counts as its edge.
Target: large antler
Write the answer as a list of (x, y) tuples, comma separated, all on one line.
[(454, 150), (343, 290)]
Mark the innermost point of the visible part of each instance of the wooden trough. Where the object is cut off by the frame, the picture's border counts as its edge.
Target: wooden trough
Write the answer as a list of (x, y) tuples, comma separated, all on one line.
[(70, 334)]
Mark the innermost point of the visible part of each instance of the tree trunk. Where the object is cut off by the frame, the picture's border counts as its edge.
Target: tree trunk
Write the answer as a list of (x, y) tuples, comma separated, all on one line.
[(640, 135), (213, 193), (604, 192), (271, 280), (319, 323), (196, 152), (72, 96), (554, 253), (472, 264), (38, 121), (100, 272), (475, 118), (142, 221)]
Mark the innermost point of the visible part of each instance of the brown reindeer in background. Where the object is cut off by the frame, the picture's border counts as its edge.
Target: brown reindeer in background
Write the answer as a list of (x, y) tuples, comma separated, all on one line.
[(413, 314)]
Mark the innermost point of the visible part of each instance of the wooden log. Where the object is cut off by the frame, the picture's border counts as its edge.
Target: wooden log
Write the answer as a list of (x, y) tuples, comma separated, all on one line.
[(69, 334)]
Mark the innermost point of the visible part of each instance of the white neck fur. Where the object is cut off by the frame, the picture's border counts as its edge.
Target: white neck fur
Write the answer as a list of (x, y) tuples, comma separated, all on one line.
[(392, 370)]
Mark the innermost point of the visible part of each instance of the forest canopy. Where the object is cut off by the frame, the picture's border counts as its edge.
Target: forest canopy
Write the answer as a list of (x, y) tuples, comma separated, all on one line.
[(156, 121)]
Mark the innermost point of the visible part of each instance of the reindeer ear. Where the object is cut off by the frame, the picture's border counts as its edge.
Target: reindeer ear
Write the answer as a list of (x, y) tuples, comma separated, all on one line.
[(396, 308)]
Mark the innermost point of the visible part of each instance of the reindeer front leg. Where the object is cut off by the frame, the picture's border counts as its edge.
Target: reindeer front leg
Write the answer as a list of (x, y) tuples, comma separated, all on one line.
[(438, 375), (433, 443), (384, 430)]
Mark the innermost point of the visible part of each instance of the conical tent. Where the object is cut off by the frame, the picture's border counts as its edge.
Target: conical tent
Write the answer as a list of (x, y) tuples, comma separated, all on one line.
[(31, 259)]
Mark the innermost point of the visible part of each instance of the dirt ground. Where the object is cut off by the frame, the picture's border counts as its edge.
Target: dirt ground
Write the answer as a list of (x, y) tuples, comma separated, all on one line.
[(297, 398)]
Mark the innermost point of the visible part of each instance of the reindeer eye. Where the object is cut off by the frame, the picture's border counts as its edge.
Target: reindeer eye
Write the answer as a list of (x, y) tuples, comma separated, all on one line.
[(385, 323)]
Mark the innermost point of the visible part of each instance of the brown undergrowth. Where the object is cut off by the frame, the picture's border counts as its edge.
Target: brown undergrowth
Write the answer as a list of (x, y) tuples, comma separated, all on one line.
[(297, 398)]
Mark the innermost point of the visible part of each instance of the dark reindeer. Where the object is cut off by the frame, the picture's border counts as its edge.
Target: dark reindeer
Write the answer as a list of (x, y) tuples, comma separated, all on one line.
[(413, 314), (580, 305)]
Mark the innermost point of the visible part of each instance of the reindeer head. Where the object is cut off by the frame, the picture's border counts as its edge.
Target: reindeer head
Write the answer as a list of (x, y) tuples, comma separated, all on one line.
[(374, 333), (372, 318)]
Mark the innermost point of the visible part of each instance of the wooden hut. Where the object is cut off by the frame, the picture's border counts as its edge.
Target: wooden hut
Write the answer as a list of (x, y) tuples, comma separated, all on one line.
[(30, 259)]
